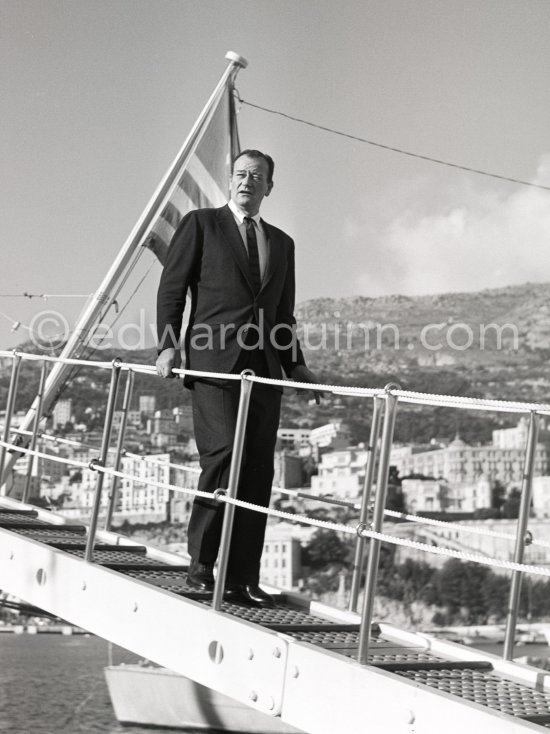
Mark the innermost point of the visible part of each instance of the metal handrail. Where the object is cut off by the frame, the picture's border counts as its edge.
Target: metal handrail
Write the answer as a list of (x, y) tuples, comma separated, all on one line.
[(372, 455), (377, 521), (232, 486), (111, 401), (521, 536), (390, 396)]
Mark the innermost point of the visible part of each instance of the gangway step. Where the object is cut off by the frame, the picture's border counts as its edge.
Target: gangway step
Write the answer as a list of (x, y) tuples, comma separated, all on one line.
[(434, 665), (42, 534), (79, 544), (477, 683), (30, 523), (126, 558)]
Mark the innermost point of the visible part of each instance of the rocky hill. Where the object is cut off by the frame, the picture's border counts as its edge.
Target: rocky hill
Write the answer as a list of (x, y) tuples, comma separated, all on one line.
[(499, 326), (493, 343)]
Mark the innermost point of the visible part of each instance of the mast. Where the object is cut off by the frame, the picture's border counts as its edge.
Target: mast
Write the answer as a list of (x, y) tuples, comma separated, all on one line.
[(101, 298)]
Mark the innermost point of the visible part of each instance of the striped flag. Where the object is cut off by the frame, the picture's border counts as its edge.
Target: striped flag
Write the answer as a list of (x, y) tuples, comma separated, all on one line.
[(204, 178)]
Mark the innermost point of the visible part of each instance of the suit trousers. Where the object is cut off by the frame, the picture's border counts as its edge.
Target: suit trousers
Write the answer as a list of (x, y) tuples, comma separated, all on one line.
[(215, 407)]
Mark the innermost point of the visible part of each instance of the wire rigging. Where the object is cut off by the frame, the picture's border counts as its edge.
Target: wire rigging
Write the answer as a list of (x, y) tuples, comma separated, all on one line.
[(45, 296), (393, 149)]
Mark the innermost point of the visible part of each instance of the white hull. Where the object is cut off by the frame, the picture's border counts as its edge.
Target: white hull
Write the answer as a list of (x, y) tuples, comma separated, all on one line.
[(152, 696)]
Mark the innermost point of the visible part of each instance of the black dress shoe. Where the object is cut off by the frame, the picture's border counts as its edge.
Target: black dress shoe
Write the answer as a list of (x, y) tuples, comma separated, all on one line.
[(201, 576), (249, 594)]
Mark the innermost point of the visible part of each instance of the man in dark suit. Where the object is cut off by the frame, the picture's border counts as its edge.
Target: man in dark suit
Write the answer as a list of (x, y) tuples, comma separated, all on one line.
[(239, 271)]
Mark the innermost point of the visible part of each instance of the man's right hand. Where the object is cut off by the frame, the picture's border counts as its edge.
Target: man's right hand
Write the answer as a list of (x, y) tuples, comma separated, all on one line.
[(166, 361)]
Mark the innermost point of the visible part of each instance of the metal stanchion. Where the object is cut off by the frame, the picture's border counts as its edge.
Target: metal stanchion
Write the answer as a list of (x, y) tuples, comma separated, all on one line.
[(16, 364), (233, 483), (377, 521), (119, 448), (372, 453), (521, 536), (102, 460), (36, 426)]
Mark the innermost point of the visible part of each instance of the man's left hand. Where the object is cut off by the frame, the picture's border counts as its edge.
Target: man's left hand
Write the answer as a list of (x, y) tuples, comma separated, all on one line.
[(302, 374)]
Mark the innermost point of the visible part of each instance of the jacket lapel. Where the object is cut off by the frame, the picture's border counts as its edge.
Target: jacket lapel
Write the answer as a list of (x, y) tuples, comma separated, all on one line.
[(273, 253), (231, 233)]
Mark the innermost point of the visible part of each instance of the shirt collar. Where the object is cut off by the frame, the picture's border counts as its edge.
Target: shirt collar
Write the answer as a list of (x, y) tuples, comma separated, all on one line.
[(240, 215)]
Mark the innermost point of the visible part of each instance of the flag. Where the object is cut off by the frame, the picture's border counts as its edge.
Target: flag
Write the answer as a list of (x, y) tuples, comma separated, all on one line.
[(204, 179)]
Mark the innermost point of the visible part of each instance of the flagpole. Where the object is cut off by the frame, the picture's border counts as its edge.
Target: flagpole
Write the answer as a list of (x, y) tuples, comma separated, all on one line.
[(77, 340)]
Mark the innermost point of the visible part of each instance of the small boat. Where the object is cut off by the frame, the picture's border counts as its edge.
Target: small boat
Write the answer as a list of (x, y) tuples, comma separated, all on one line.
[(148, 695)]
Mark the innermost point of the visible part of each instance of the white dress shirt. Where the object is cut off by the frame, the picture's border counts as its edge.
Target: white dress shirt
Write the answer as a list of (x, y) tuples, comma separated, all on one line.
[(260, 234)]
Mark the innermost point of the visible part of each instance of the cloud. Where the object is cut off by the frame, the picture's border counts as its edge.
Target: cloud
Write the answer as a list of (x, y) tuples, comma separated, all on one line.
[(463, 239)]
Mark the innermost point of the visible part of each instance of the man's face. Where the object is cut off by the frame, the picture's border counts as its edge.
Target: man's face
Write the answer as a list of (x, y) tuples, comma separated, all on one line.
[(249, 183)]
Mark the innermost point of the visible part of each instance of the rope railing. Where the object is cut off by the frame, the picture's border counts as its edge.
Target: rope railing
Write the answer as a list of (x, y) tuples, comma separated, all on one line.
[(404, 396), (417, 519), (352, 530), (461, 528), (288, 515)]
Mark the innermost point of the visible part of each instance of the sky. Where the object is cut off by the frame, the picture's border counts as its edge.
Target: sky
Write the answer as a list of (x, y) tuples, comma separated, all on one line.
[(98, 96)]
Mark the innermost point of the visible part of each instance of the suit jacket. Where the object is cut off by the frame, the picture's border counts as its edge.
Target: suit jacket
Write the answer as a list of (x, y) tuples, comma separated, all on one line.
[(207, 257)]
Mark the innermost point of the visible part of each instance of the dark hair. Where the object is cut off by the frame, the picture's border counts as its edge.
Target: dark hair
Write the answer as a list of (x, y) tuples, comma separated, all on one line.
[(251, 153)]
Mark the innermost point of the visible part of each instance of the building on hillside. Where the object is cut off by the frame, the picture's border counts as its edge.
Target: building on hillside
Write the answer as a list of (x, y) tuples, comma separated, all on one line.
[(138, 499), (341, 473), (516, 437), (541, 497), (133, 419), (281, 559), (438, 495), (331, 436), (16, 419), (44, 471), (136, 493), (293, 438), (182, 502), (462, 464), (62, 413), (162, 428), (147, 404)]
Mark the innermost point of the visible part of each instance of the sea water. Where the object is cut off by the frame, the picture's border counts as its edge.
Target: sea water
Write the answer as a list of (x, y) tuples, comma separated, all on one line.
[(54, 684)]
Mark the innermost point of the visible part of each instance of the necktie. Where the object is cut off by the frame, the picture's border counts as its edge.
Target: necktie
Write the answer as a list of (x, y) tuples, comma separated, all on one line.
[(253, 257)]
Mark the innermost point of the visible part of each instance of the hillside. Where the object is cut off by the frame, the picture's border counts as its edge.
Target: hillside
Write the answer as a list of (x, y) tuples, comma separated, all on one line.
[(493, 343), (491, 327)]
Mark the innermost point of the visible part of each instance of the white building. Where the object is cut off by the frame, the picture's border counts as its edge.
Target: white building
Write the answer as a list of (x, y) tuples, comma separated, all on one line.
[(293, 438), (133, 418), (63, 412), (541, 496), (147, 403), (341, 473), (459, 463), (181, 503), (331, 435), (281, 558), (437, 495), (136, 495), (516, 437)]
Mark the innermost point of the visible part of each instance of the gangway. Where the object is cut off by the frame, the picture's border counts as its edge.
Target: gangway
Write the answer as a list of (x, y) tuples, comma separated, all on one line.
[(296, 661)]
